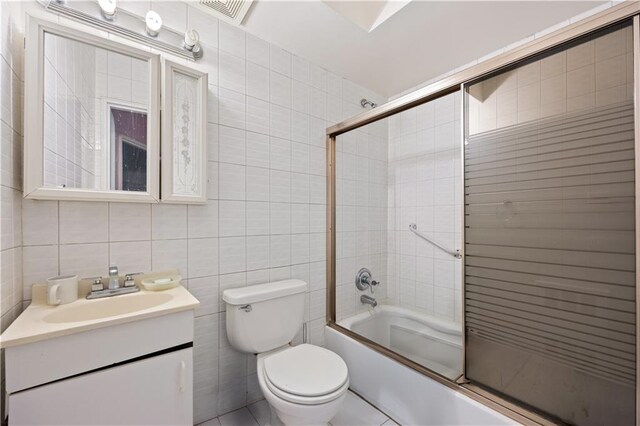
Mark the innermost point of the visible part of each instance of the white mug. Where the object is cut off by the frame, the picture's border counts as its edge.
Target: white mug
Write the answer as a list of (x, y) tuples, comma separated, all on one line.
[(61, 290)]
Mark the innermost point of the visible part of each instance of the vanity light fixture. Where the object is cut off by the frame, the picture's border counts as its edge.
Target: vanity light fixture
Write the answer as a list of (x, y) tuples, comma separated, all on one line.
[(154, 23), (192, 43), (108, 8), (106, 16)]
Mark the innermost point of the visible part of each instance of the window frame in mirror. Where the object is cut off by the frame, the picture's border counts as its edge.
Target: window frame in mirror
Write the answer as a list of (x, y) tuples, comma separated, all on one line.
[(169, 68), (34, 117)]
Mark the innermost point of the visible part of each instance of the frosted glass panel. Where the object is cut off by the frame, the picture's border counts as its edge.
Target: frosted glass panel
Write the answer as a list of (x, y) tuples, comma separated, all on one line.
[(550, 232), (186, 143)]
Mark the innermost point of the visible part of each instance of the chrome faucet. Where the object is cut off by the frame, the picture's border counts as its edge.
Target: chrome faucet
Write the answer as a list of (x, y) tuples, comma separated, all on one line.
[(113, 288), (114, 282), (368, 300)]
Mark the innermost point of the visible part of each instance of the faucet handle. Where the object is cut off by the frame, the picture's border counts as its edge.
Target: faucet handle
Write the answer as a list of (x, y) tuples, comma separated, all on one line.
[(97, 285), (129, 281)]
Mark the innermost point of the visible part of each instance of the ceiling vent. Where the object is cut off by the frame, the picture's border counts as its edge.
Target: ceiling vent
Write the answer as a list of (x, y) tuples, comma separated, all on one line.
[(232, 11)]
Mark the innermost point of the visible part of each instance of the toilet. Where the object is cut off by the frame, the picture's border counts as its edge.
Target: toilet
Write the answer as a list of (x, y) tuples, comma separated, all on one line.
[(304, 384)]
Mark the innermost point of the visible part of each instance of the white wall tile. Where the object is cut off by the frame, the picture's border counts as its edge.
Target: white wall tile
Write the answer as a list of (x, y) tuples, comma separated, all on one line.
[(232, 255), (232, 218), (257, 51), (205, 289), (129, 222), (202, 220), (257, 252), (83, 222), (85, 260), (169, 254), (280, 214), (258, 146), (258, 184), (232, 72), (280, 122), (280, 186), (280, 61), (38, 264), (39, 222), (131, 256), (258, 83), (258, 218), (202, 257), (232, 182), (232, 40), (280, 89), (168, 221), (232, 145), (258, 115), (280, 250), (232, 108)]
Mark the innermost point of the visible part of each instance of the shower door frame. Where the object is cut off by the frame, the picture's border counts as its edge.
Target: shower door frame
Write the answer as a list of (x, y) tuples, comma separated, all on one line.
[(457, 82)]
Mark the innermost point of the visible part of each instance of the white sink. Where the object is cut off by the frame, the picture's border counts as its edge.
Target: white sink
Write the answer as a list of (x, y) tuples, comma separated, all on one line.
[(108, 307)]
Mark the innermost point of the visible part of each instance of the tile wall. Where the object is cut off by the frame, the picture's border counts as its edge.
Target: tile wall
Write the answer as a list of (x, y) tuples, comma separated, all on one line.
[(11, 77), (266, 215), (425, 188)]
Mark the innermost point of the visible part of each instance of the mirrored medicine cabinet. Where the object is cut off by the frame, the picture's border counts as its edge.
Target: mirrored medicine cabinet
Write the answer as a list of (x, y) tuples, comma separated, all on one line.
[(108, 122)]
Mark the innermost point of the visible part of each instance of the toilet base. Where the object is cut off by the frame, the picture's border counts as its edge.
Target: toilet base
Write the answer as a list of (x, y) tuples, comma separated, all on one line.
[(316, 415)]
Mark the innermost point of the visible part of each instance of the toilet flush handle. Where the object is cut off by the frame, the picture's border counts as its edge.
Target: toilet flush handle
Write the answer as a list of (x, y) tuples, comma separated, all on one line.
[(246, 308)]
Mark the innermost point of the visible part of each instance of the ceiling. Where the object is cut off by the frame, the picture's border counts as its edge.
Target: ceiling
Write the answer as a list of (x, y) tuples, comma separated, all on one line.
[(417, 43)]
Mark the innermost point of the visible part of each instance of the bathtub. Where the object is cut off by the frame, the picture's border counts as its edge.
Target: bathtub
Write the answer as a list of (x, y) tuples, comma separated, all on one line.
[(429, 341), (406, 395)]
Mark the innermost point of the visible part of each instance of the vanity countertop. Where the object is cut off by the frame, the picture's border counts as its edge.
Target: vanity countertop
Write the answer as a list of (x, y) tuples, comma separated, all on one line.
[(41, 321)]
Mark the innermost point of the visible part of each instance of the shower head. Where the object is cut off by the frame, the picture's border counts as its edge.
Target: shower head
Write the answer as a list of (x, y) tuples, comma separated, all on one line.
[(364, 102)]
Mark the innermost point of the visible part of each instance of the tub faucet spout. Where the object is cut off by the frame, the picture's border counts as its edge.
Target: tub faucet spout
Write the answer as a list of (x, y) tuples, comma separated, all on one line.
[(368, 300)]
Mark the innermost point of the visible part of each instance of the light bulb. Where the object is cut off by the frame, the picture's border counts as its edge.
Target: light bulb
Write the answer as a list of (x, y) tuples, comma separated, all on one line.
[(154, 23), (191, 38), (108, 8)]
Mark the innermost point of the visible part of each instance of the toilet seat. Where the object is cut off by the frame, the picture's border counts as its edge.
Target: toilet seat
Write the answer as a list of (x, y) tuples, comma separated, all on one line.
[(306, 374)]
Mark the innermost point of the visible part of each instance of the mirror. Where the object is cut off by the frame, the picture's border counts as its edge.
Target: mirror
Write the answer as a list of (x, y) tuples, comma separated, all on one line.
[(92, 125)]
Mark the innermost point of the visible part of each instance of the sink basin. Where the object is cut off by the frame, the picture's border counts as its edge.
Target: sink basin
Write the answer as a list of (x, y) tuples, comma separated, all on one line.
[(104, 308)]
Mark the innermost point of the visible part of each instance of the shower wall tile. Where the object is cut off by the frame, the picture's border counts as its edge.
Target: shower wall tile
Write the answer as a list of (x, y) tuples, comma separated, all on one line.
[(424, 147)]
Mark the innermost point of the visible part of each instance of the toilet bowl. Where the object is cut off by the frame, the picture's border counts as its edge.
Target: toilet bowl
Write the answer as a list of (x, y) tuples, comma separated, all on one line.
[(303, 384)]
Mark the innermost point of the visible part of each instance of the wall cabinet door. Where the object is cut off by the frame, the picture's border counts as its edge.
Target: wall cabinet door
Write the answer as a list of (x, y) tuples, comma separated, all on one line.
[(184, 134), (153, 391)]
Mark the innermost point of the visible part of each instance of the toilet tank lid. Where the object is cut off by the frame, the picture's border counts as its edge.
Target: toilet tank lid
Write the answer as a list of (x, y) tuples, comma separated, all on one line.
[(262, 292)]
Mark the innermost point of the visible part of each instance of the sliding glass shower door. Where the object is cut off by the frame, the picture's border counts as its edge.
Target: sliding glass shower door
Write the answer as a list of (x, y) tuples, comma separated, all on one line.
[(550, 284)]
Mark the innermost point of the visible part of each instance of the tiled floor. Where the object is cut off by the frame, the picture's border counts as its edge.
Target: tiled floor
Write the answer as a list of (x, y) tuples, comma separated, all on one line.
[(354, 412)]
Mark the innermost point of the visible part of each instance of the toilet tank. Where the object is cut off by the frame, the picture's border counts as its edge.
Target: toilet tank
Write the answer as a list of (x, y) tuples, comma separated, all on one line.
[(263, 317)]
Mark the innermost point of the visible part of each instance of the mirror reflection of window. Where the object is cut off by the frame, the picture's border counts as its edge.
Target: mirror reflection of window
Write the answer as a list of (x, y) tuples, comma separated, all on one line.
[(95, 117), (128, 135)]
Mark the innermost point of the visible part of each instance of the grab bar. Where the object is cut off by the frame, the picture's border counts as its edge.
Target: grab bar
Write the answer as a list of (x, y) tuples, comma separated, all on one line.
[(455, 253)]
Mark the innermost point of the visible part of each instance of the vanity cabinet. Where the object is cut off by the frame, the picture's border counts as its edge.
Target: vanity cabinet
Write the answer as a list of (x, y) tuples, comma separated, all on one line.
[(150, 391), (116, 370)]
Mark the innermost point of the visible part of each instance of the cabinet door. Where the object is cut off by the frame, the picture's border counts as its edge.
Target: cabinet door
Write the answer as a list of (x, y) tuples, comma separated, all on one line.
[(153, 391), (184, 134)]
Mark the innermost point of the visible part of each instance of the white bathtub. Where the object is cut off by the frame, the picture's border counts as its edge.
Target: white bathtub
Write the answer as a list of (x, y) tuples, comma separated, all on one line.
[(409, 397), (429, 341)]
